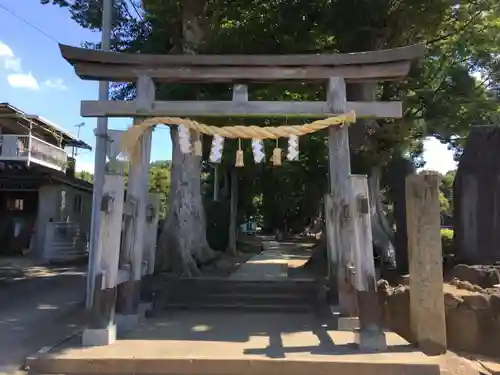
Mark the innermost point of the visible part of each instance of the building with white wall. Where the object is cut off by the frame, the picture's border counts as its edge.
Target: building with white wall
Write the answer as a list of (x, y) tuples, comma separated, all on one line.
[(45, 210)]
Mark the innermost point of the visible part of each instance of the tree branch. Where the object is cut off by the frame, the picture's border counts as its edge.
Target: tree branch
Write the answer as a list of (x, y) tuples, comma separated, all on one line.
[(455, 32)]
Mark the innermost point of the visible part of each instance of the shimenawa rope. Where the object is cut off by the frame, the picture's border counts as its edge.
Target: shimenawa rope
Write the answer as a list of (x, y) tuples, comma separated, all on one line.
[(131, 137)]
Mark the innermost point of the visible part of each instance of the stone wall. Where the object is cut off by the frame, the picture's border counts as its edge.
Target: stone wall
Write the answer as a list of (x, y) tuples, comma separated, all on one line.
[(472, 310), (482, 276)]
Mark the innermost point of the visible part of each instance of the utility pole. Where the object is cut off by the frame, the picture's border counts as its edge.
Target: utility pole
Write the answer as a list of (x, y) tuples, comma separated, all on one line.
[(101, 134), (75, 150)]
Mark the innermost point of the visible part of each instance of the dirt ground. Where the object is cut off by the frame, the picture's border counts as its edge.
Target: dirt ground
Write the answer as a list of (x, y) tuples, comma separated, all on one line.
[(460, 364), (39, 305), (15, 269)]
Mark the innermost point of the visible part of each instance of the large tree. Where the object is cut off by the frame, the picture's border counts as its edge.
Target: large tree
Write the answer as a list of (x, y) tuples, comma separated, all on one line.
[(183, 243), (442, 96)]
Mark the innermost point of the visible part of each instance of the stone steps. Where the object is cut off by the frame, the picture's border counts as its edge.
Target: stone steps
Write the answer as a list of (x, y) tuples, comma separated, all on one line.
[(159, 282), (257, 298), (206, 293), (245, 301), (241, 306)]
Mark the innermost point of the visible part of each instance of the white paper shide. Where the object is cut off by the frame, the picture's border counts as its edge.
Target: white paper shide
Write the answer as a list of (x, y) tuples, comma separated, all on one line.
[(293, 148), (258, 150), (217, 148)]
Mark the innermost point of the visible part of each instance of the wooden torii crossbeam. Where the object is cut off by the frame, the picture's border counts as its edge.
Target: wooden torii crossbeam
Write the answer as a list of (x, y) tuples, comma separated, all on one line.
[(347, 207), (373, 66)]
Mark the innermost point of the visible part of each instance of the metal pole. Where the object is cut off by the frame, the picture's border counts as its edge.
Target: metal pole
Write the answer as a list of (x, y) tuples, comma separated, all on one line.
[(216, 182), (29, 143), (75, 150), (100, 161)]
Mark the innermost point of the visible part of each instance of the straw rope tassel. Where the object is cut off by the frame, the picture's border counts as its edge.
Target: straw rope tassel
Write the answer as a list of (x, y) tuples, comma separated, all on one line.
[(277, 155), (198, 147), (239, 156)]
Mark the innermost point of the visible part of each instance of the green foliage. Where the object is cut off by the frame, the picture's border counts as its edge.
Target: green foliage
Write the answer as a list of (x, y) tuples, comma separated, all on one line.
[(446, 193), (446, 186), (457, 83), (158, 180), (447, 241), (444, 203), (84, 175)]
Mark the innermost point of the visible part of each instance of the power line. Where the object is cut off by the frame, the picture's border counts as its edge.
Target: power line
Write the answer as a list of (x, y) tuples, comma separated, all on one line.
[(135, 8), (27, 23), (14, 14)]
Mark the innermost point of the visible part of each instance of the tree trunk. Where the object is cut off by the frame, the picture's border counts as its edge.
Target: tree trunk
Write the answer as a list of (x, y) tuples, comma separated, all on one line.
[(183, 242), (399, 169), (318, 261), (476, 197), (383, 235)]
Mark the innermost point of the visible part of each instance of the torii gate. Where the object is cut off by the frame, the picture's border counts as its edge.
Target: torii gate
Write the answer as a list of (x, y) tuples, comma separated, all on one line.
[(349, 234)]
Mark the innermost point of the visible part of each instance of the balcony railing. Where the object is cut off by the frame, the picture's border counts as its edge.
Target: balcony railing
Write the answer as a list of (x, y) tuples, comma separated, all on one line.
[(32, 150)]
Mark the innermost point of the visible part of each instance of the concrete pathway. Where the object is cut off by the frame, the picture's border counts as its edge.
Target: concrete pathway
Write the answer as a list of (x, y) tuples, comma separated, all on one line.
[(272, 263), (267, 265), (38, 312), (214, 342)]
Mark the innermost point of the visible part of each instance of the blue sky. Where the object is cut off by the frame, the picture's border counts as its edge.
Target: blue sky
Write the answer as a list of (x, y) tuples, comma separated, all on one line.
[(35, 78)]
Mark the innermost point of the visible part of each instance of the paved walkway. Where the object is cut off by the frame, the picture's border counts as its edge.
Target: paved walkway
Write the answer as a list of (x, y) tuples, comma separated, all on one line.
[(38, 312), (214, 342), (272, 263)]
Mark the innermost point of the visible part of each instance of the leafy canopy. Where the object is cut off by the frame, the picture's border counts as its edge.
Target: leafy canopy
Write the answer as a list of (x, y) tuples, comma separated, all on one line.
[(457, 83)]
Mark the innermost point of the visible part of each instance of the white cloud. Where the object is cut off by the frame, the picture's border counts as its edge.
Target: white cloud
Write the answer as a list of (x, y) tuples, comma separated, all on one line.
[(23, 81), (10, 61), (12, 64), (17, 78), (56, 84), (5, 51)]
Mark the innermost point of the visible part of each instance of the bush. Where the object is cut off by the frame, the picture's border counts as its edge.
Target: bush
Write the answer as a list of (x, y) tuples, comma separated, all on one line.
[(447, 241)]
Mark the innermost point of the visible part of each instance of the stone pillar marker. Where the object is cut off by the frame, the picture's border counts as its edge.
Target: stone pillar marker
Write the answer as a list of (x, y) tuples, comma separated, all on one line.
[(427, 311)]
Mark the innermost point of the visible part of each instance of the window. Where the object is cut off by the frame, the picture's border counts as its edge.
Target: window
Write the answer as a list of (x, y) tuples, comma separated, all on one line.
[(15, 204), (77, 204)]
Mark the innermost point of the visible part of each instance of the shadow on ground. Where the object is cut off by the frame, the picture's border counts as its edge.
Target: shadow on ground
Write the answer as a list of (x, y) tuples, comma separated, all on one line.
[(38, 310)]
